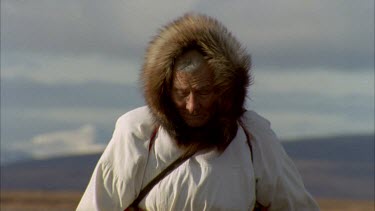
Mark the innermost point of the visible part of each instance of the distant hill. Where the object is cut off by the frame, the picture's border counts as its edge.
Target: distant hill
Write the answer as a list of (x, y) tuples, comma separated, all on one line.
[(63, 173), (359, 148), (338, 167), (335, 167)]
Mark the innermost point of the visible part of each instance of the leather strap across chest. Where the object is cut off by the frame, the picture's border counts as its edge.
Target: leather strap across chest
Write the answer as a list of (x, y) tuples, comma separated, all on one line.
[(134, 205)]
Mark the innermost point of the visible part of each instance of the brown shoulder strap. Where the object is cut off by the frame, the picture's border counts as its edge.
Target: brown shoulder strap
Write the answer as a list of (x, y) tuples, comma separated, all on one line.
[(152, 138), (160, 176), (248, 139)]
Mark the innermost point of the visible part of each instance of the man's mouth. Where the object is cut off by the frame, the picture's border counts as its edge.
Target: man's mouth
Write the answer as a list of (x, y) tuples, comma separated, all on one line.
[(194, 116)]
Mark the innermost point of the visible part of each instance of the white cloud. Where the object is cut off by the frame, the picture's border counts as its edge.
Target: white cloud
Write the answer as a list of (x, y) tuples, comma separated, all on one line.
[(77, 115), (316, 102), (291, 125), (84, 26), (303, 33), (323, 82), (48, 69), (61, 143)]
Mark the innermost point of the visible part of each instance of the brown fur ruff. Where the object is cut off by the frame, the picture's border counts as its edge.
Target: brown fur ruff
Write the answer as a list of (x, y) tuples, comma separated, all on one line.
[(226, 57)]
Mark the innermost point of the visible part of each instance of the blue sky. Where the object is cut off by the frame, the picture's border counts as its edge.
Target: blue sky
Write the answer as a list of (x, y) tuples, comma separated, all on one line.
[(70, 68)]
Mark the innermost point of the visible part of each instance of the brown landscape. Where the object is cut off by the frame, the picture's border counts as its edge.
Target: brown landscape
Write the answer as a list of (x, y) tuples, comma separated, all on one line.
[(342, 180), (63, 200)]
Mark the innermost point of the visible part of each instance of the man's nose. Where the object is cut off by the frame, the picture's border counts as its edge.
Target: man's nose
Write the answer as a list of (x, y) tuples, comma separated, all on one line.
[(192, 103)]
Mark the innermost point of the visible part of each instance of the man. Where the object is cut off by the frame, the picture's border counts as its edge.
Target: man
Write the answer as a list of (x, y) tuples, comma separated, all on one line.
[(195, 79)]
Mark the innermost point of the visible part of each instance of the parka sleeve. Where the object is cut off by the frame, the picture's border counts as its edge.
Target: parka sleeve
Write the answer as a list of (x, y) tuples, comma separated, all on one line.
[(118, 174), (99, 195), (102, 192), (279, 185)]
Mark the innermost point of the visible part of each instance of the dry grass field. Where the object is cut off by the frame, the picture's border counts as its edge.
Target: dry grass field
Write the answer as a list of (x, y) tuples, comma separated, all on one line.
[(62, 201), (38, 200)]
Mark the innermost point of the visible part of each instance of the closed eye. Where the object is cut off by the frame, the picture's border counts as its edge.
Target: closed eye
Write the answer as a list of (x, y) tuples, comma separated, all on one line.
[(204, 92), (181, 93)]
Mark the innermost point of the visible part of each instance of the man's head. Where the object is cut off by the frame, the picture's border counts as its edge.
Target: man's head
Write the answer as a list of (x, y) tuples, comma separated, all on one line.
[(195, 78), (193, 91)]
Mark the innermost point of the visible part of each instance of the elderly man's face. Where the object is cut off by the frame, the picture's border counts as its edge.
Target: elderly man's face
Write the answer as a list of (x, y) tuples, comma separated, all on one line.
[(193, 94)]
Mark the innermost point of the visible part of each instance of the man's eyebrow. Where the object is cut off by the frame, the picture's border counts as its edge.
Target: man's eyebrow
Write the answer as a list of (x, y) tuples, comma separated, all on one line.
[(204, 87), (179, 89)]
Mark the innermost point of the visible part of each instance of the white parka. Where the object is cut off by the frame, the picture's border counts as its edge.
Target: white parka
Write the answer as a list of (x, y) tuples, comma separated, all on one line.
[(207, 181)]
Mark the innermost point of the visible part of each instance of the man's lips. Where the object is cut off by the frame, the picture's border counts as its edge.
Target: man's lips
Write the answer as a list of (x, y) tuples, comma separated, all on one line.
[(194, 116)]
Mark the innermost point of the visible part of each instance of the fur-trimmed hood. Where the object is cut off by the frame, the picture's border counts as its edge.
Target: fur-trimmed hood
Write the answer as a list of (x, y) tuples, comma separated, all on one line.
[(224, 54)]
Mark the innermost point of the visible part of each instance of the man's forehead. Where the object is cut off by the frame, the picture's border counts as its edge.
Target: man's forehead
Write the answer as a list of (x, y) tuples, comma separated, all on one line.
[(189, 61), (199, 79)]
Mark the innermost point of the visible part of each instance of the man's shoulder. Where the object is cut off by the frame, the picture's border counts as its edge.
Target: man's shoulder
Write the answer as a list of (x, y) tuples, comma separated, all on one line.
[(131, 132), (140, 115), (128, 144), (254, 120), (138, 122), (260, 127)]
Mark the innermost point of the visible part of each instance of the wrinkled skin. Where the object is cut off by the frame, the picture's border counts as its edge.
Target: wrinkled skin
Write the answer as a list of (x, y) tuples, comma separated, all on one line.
[(194, 96)]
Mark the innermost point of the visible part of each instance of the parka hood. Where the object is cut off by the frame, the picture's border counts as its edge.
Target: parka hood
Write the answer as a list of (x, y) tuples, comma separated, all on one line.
[(224, 54)]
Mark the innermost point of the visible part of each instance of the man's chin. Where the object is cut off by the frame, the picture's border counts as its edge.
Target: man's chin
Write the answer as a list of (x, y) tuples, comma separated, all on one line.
[(196, 123)]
